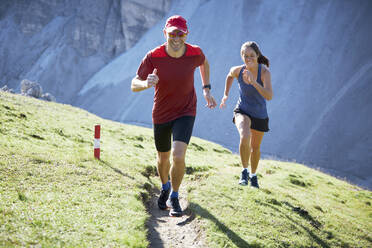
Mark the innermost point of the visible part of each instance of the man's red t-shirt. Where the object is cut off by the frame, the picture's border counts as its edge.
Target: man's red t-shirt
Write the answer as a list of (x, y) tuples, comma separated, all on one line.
[(174, 93)]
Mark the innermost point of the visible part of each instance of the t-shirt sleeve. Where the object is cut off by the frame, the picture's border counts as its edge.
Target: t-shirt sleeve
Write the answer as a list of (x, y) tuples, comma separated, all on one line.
[(146, 67), (201, 58)]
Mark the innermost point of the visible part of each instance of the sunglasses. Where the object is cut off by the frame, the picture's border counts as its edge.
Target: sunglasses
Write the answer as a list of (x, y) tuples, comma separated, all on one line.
[(178, 34)]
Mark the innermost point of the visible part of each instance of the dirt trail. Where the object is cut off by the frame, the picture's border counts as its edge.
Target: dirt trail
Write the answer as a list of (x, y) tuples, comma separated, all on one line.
[(173, 232)]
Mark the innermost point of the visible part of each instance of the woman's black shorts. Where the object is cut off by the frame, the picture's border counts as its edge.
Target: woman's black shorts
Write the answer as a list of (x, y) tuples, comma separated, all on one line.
[(181, 128), (256, 123)]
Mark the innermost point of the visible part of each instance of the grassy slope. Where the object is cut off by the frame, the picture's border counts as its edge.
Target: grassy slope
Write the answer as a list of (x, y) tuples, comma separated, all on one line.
[(53, 193)]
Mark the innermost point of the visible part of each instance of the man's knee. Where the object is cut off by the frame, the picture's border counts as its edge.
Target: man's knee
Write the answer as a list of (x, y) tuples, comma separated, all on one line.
[(179, 152), (178, 157), (163, 157)]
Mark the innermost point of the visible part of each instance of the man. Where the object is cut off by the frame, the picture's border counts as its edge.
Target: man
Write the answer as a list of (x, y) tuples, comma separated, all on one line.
[(170, 68)]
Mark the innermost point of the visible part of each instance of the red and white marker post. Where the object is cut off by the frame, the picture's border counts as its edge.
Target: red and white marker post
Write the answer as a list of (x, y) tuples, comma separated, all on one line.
[(97, 135)]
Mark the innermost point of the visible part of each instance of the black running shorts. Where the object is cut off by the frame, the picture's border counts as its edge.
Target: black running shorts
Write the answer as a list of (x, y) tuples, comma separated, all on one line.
[(181, 129), (256, 123)]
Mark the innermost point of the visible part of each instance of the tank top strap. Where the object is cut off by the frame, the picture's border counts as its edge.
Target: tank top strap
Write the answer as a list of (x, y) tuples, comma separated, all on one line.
[(241, 71), (259, 73)]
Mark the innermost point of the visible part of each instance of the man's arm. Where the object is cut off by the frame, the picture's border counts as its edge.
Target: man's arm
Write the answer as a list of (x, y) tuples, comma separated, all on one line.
[(204, 74), (138, 84)]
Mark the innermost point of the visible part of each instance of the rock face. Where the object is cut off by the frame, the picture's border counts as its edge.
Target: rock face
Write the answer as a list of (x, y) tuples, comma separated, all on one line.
[(320, 54), (62, 43)]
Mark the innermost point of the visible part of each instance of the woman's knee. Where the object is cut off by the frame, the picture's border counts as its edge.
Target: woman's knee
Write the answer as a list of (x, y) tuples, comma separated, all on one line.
[(245, 140), (245, 134), (255, 148), (244, 127)]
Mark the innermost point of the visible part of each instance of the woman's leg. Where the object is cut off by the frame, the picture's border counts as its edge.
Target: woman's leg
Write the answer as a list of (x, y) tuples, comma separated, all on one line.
[(255, 146), (243, 124)]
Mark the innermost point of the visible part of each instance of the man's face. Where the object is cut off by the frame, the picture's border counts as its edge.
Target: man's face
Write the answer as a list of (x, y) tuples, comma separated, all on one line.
[(176, 39)]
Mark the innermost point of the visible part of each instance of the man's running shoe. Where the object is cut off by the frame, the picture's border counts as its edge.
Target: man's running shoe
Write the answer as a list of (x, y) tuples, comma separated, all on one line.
[(244, 178), (163, 197), (175, 210), (254, 182)]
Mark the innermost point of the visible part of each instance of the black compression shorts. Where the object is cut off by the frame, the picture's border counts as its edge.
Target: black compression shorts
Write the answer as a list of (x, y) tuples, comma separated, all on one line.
[(256, 123), (181, 128)]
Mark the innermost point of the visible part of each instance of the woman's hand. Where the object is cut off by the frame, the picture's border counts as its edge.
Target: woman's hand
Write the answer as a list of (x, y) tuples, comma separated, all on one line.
[(248, 77), (223, 101)]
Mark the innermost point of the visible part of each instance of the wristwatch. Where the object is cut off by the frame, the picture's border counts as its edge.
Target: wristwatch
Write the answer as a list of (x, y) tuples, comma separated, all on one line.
[(207, 86)]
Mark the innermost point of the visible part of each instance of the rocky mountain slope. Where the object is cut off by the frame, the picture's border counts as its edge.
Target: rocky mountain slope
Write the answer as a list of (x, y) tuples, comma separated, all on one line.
[(62, 43)]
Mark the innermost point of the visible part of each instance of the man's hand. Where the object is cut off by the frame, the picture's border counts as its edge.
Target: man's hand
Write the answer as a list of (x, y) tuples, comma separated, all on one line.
[(211, 103), (152, 79), (223, 101)]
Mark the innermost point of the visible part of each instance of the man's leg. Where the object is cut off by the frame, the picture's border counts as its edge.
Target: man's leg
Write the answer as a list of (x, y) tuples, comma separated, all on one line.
[(182, 130), (177, 172), (162, 136), (178, 167), (163, 166)]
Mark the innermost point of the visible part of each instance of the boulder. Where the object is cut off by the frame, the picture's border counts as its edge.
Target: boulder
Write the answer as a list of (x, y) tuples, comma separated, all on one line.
[(5, 88), (29, 88), (48, 97)]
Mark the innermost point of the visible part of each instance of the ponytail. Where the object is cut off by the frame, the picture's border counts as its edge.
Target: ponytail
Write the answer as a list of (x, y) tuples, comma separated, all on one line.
[(263, 60)]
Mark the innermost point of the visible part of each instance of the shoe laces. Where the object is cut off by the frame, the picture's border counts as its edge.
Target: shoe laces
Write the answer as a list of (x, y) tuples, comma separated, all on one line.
[(244, 175), (254, 180), (163, 195), (176, 204)]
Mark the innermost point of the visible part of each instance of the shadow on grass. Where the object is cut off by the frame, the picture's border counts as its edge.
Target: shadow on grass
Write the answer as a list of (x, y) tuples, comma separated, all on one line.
[(116, 169), (238, 241), (156, 216), (317, 239), (304, 214)]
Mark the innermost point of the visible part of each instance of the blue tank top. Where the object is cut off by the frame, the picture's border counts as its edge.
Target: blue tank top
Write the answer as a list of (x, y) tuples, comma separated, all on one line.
[(250, 100)]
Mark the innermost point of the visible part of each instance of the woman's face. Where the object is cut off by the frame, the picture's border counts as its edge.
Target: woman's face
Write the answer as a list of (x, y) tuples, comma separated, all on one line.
[(249, 57)]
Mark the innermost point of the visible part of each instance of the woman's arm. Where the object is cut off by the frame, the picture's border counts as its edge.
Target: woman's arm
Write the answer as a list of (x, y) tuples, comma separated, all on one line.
[(233, 73), (266, 90)]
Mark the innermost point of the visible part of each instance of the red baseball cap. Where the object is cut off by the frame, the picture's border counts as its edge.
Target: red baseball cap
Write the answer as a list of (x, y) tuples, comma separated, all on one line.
[(176, 22)]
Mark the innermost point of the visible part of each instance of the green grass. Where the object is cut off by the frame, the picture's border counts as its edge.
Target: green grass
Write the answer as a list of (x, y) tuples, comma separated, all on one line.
[(54, 194), (295, 207)]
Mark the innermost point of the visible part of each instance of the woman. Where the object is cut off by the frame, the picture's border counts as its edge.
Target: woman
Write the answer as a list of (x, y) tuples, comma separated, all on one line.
[(250, 113)]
